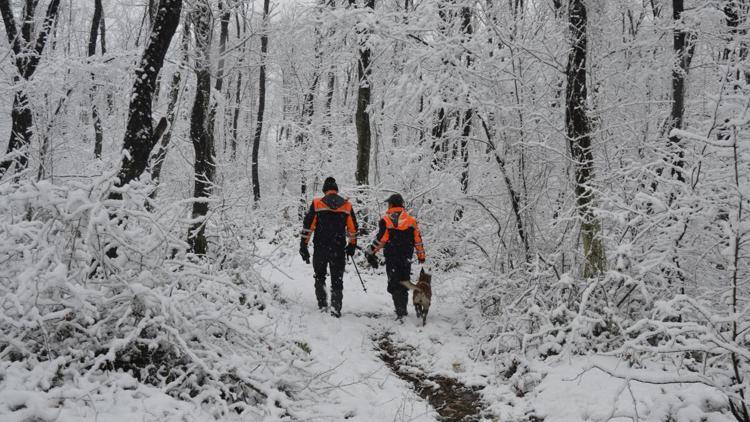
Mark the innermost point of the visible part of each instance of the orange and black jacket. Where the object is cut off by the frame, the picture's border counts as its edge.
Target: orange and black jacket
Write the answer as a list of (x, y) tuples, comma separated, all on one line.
[(331, 219), (398, 236)]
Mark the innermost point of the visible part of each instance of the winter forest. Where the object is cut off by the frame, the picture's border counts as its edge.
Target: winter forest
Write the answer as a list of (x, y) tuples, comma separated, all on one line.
[(578, 170)]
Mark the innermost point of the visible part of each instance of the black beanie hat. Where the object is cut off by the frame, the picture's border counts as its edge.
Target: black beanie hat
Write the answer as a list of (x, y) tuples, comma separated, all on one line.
[(330, 184), (395, 200)]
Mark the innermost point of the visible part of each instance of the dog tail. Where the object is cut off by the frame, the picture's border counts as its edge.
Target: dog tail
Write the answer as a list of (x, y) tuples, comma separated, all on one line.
[(409, 285)]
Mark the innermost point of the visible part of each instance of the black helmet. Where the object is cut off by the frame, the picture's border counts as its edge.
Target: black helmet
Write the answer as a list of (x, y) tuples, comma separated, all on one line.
[(395, 200), (330, 184)]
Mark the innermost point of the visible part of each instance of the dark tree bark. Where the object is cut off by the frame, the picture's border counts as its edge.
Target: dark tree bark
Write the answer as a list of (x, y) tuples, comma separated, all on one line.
[(27, 53), (157, 160), (261, 102), (102, 33), (557, 6), (139, 133), (327, 126), (98, 133), (438, 140), (362, 117), (161, 152), (467, 29), (302, 136), (683, 49), (200, 133), (236, 114), (579, 138), (238, 89), (225, 15)]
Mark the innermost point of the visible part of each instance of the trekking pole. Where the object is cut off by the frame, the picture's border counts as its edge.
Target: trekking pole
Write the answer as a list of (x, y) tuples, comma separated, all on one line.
[(358, 274)]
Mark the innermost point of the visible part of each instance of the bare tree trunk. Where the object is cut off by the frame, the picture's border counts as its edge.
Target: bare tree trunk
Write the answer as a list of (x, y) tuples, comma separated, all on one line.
[(27, 53), (737, 406), (579, 138), (302, 136), (224, 17), (200, 128), (261, 102), (515, 198), (238, 90), (438, 147), (467, 30), (157, 160), (362, 117), (327, 126), (683, 48), (236, 113), (139, 133), (102, 33), (223, 38), (98, 133)]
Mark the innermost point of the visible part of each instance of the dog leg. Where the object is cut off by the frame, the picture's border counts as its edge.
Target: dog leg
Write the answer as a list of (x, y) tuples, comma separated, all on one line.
[(418, 310), (424, 316)]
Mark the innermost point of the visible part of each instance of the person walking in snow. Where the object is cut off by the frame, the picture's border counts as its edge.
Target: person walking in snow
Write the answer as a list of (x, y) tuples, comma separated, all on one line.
[(398, 236), (331, 220)]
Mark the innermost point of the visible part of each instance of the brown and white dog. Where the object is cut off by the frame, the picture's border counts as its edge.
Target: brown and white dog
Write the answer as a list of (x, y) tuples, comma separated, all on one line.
[(422, 294)]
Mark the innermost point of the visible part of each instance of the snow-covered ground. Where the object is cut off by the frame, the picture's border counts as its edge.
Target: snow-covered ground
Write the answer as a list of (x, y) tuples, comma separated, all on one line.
[(354, 383), (367, 390), (362, 385)]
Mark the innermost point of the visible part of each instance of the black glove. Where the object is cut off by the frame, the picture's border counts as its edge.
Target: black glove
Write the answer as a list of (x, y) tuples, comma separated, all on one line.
[(304, 253), (372, 260), (350, 249)]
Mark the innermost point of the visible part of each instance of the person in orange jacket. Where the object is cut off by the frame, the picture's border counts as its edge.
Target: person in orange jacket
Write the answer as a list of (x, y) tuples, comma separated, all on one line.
[(399, 237), (329, 222)]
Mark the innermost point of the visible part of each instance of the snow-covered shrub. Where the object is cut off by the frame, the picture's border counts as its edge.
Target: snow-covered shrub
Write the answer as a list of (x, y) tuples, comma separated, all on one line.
[(97, 286)]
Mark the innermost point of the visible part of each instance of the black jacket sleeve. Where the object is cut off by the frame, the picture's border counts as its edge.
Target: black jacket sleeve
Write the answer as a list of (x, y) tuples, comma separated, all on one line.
[(308, 225)]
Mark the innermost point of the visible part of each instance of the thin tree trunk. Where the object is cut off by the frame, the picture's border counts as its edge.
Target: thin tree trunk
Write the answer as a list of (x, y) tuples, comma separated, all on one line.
[(45, 143), (223, 38), (102, 33), (515, 198), (579, 138), (139, 134), (328, 125), (236, 114), (161, 152), (224, 17), (738, 407), (467, 30), (261, 102), (683, 49), (157, 160), (27, 54), (200, 133), (302, 137), (362, 117), (238, 90), (98, 133)]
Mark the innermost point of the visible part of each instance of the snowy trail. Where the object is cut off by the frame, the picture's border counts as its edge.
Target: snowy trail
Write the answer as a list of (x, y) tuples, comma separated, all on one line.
[(364, 387)]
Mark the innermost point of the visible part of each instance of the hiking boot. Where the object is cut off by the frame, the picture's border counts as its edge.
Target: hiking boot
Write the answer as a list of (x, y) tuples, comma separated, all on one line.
[(336, 313), (323, 309)]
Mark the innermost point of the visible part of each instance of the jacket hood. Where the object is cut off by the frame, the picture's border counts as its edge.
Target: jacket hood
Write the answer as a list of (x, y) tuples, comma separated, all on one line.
[(333, 200)]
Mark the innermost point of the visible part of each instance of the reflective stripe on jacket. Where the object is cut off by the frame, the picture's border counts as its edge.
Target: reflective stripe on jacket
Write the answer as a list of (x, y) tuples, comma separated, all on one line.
[(398, 236)]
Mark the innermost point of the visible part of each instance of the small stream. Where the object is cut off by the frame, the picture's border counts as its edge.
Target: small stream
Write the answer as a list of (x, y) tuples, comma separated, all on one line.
[(453, 400)]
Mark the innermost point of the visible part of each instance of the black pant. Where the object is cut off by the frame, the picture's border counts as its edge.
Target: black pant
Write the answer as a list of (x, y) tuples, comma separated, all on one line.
[(398, 270), (326, 256)]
